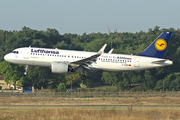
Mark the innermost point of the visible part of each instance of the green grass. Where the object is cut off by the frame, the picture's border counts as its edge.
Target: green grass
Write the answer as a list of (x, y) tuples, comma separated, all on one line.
[(87, 96)]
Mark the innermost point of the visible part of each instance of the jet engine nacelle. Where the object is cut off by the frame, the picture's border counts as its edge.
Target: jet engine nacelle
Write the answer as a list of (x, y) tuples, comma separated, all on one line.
[(60, 67)]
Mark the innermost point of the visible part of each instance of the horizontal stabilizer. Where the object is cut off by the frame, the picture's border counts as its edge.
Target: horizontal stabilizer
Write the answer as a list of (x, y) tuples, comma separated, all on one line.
[(158, 61)]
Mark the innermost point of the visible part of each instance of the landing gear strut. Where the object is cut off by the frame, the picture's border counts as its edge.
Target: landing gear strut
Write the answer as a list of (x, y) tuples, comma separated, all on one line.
[(25, 73), (82, 76)]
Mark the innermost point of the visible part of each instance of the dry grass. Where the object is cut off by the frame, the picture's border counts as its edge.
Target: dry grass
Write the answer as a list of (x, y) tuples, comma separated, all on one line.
[(90, 101), (102, 113), (89, 113)]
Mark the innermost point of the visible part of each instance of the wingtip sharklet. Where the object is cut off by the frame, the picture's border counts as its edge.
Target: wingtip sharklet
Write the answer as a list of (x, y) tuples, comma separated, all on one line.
[(102, 49), (111, 50)]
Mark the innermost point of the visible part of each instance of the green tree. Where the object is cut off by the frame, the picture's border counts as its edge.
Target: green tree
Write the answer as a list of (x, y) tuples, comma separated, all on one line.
[(73, 77), (61, 87), (37, 77), (148, 80), (11, 72), (123, 43)]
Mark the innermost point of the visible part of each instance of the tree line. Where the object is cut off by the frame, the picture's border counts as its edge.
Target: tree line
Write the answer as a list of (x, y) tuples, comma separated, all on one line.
[(123, 43)]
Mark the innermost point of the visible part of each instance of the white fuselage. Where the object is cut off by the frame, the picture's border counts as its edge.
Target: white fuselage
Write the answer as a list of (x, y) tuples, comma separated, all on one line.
[(105, 62)]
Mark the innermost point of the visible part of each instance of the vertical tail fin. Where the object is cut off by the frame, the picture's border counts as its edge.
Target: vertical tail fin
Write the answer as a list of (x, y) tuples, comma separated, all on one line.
[(158, 47)]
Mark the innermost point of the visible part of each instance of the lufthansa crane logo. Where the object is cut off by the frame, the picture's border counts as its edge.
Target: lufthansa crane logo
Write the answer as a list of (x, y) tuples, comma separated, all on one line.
[(160, 44)]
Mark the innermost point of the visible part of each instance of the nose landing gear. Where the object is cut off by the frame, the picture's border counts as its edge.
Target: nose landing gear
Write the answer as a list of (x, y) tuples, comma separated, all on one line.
[(25, 73)]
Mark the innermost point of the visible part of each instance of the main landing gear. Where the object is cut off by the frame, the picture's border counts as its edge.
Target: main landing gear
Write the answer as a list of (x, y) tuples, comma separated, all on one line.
[(82, 76)]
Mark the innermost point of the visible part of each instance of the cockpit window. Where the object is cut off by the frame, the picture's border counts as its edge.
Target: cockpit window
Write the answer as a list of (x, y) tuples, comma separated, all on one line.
[(15, 52)]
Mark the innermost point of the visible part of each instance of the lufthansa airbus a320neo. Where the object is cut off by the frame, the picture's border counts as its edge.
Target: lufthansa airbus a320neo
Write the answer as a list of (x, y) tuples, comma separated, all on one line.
[(65, 61)]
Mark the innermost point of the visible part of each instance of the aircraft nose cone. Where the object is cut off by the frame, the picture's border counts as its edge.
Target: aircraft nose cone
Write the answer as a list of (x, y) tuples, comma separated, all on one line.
[(7, 57), (11, 58)]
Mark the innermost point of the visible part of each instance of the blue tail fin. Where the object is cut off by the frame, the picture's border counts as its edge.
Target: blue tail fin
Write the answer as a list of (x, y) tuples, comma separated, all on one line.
[(158, 47)]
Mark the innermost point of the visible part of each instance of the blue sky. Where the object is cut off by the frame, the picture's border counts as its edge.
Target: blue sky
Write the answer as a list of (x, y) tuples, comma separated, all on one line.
[(90, 16)]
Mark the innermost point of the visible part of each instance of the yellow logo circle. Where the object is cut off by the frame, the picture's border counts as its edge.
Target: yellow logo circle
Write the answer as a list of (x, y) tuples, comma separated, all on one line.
[(160, 44)]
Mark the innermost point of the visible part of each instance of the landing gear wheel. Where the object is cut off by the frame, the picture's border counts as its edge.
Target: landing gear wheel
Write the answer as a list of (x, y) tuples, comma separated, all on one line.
[(82, 77)]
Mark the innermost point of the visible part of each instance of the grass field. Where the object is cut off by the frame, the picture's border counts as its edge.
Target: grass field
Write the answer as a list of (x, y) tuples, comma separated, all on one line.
[(86, 113), (90, 101), (90, 113)]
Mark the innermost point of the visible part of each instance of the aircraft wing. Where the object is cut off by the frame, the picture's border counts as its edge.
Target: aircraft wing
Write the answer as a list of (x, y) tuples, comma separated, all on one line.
[(158, 61), (89, 60)]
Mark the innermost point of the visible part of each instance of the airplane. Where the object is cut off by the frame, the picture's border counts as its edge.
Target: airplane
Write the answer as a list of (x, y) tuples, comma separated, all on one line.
[(67, 61)]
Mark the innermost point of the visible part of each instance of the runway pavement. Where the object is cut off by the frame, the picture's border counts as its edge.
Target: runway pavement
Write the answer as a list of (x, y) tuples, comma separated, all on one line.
[(147, 106)]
